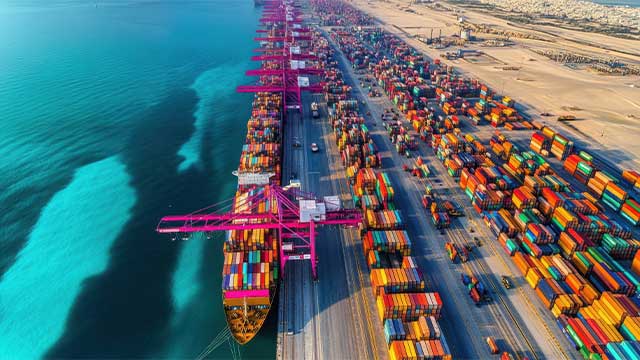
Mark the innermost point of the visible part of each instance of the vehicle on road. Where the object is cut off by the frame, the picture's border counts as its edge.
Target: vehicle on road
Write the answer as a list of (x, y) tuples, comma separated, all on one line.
[(493, 346), (566, 118), (296, 143), (293, 183), (314, 110), (478, 241), (506, 282), (314, 147)]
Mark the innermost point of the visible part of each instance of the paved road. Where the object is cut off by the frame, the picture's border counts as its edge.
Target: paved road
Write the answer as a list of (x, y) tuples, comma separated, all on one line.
[(334, 317), (515, 317)]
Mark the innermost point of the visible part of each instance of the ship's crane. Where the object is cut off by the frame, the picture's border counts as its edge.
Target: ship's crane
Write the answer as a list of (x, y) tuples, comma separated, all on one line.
[(295, 214)]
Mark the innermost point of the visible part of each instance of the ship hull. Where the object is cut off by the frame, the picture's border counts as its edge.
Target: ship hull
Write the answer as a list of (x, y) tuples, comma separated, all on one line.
[(245, 322)]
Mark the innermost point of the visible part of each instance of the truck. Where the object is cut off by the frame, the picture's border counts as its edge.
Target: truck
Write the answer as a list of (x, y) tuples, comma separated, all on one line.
[(493, 346), (566, 118), (477, 291), (456, 252), (451, 251), (453, 209), (314, 110)]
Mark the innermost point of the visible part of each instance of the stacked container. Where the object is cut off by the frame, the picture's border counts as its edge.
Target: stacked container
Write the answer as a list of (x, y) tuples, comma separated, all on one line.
[(395, 276), (540, 144), (599, 182), (614, 196), (561, 147), (409, 306), (630, 211), (393, 281)]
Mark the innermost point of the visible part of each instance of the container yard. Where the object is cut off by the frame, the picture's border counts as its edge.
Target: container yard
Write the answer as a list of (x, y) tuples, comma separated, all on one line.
[(469, 230)]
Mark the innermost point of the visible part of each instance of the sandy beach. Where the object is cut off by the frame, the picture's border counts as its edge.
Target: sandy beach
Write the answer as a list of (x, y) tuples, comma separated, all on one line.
[(607, 106)]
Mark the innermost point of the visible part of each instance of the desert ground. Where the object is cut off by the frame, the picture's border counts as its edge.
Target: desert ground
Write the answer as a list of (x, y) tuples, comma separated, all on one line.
[(607, 106)]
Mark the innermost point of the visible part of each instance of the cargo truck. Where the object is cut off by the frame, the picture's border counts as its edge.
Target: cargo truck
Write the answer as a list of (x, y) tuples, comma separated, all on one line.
[(493, 346)]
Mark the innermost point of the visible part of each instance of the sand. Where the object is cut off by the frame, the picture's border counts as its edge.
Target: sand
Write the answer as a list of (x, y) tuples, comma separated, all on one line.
[(607, 106)]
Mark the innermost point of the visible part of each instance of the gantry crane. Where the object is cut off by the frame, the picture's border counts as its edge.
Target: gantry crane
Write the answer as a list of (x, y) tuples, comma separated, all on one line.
[(285, 63), (294, 213)]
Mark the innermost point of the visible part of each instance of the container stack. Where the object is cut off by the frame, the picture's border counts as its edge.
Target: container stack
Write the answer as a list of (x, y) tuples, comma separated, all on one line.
[(409, 306), (246, 240), (384, 190), (425, 328), (394, 281), (387, 241), (605, 273), (614, 196), (249, 270), (630, 211), (540, 144), (599, 182), (571, 241), (561, 147), (633, 178), (383, 220), (618, 247), (523, 198), (580, 168)]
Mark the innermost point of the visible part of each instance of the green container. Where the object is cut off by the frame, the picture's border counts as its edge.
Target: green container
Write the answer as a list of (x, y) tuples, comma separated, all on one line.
[(585, 156), (524, 218), (575, 337), (511, 245), (555, 274), (539, 159), (583, 260), (585, 353), (595, 356), (586, 169), (629, 203)]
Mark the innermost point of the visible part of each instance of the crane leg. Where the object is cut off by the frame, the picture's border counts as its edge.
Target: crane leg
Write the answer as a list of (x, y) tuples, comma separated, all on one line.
[(312, 240)]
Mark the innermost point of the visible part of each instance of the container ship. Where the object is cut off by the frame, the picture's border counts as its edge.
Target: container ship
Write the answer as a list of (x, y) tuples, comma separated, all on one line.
[(250, 271)]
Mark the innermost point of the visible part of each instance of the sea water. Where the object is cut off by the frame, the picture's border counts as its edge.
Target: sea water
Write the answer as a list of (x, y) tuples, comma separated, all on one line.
[(630, 3), (112, 114)]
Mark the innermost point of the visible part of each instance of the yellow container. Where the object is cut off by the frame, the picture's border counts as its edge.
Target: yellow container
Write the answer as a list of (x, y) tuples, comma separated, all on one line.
[(533, 277)]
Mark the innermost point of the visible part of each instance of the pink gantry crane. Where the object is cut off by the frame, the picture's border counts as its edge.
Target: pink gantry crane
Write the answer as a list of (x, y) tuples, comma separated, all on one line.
[(295, 215), (285, 67)]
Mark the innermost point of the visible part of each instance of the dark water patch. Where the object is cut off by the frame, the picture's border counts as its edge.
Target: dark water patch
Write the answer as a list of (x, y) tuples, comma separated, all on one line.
[(124, 312)]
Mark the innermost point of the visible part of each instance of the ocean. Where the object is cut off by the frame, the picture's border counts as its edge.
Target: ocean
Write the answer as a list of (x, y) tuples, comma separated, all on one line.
[(630, 3), (114, 113)]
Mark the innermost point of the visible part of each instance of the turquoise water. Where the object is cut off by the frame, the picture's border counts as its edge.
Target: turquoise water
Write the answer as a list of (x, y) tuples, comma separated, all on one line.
[(632, 3), (113, 115)]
